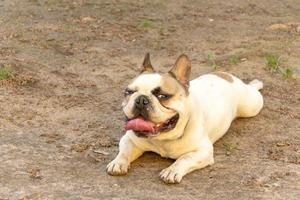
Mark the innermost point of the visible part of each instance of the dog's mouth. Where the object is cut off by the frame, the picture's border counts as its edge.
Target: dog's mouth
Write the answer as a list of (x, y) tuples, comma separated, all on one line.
[(144, 128)]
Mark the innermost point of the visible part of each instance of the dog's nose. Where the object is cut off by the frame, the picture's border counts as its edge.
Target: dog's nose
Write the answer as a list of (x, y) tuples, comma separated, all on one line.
[(141, 101)]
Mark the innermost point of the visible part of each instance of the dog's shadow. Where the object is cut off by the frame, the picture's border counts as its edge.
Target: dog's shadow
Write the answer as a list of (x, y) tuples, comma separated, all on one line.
[(151, 160)]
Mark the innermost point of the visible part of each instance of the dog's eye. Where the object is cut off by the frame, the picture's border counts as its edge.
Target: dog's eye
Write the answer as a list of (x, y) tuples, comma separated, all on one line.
[(163, 96), (128, 92)]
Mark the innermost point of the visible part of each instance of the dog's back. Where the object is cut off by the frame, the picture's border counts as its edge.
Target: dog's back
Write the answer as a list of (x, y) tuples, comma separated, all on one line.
[(222, 97)]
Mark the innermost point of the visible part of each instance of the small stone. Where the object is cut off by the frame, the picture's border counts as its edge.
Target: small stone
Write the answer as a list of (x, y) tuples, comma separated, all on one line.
[(87, 19), (275, 27)]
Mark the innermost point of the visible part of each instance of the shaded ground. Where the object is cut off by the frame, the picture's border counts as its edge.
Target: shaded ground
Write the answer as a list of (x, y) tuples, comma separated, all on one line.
[(60, 117)]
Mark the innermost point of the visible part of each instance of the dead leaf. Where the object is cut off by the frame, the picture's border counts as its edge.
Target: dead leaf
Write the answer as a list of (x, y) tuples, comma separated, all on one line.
[(34, 173)]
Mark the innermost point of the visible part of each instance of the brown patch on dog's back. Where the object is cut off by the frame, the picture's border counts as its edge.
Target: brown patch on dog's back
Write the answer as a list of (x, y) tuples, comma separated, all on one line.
[(224, 76)]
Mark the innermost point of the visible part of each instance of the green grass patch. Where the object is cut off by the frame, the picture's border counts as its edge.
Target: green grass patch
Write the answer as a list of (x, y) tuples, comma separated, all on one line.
[(211, 58), (233, 60), (273, 62), (5, 72), (147, 23), (287, 72), (229, 147)]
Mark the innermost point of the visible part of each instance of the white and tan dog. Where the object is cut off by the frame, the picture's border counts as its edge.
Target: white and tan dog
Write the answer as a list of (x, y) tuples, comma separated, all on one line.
[(181, 119)]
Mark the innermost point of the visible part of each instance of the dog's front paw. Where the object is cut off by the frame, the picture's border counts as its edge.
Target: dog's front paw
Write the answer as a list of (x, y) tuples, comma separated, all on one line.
[(117, 167), (171, 175)]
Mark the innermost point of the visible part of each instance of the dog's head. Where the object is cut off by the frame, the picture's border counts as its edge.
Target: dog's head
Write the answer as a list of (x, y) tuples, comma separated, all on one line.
[(157, 105)]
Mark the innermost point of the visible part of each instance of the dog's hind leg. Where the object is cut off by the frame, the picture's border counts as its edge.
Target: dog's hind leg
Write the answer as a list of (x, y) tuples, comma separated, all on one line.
[(251, 101), (257, 84)]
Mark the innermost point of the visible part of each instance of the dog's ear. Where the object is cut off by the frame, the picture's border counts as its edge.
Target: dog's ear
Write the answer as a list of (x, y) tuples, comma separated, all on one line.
[(147, 66), (182, 70)]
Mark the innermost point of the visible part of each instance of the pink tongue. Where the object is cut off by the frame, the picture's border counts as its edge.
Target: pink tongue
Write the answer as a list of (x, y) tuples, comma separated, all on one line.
[(139, 124)]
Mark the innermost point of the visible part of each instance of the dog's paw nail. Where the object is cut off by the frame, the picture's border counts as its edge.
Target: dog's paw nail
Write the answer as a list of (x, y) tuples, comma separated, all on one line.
[(117, 168), (170, 175)]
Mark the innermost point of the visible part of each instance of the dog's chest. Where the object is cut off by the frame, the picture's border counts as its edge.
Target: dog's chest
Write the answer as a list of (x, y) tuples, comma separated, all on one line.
[(173, 149), (166, 151)]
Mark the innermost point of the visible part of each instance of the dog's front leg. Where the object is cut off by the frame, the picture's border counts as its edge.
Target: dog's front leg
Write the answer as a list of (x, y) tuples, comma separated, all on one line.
[(189, 162), (128, 152)]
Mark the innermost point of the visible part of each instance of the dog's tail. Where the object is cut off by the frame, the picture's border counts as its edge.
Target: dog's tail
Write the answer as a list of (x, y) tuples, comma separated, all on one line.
[(257, 84)]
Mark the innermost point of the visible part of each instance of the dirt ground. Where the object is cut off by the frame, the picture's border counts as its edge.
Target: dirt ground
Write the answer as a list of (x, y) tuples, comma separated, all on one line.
[(60, 116)]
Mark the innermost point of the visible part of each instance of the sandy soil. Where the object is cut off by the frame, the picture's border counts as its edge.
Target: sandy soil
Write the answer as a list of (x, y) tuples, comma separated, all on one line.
[(60, 116)]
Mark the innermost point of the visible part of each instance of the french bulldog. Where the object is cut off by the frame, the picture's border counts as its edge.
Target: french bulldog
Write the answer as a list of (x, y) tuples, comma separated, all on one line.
[(181, 119)]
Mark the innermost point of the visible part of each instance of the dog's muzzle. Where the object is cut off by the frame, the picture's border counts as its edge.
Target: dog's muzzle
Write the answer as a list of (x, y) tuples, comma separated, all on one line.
[(141, 106)]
